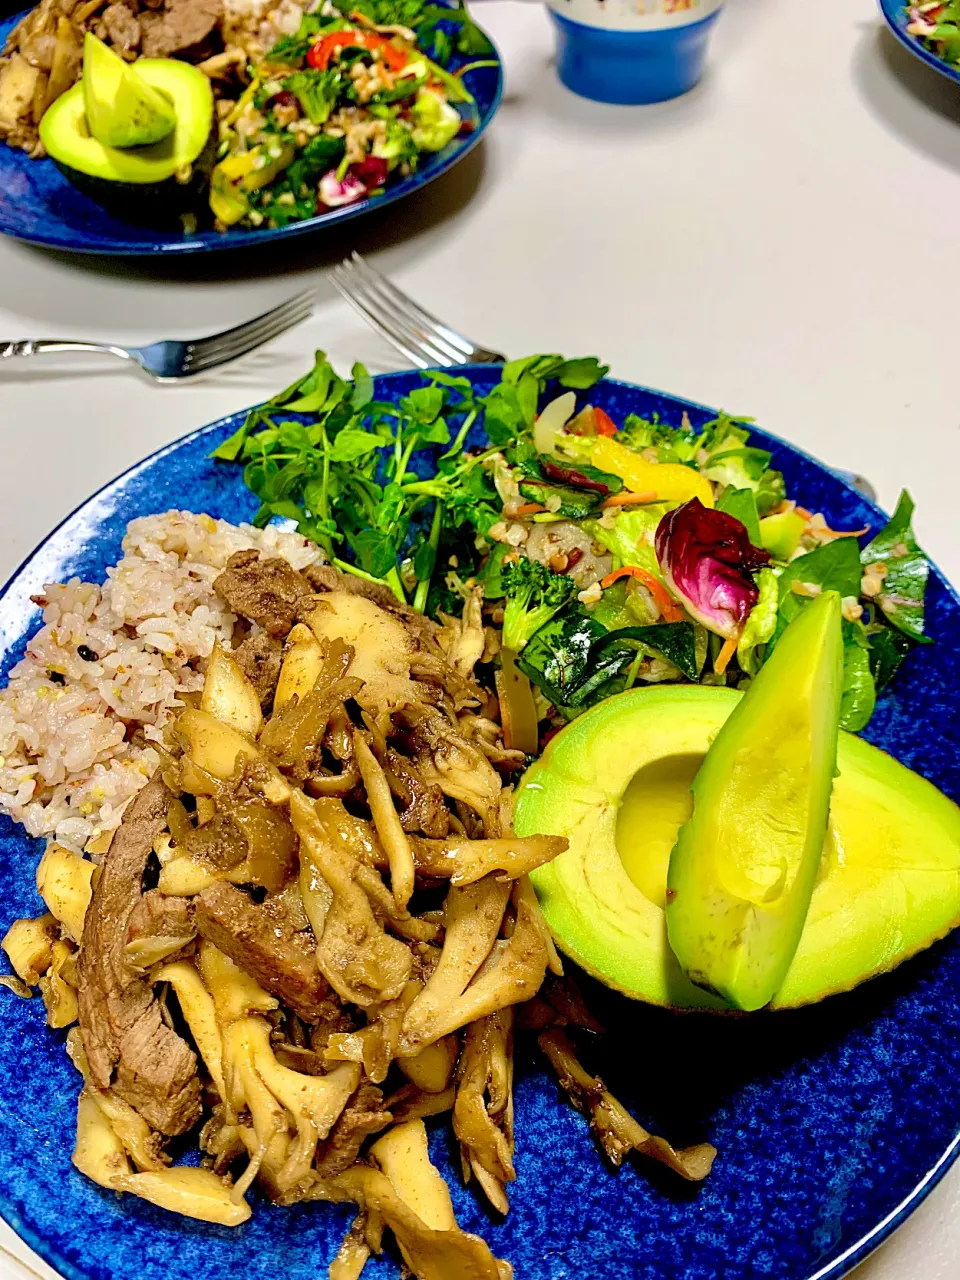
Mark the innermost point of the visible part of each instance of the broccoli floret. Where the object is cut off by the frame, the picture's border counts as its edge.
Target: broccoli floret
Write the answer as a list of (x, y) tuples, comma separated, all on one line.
[(534, 595)]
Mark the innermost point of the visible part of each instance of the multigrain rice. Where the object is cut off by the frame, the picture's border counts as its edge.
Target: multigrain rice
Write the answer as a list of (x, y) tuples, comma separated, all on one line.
[(100, 679)]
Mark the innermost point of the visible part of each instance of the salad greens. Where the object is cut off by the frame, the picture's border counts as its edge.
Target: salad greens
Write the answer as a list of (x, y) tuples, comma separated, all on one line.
[(937, 26), (595, 586), (332, 112), (351, 478)]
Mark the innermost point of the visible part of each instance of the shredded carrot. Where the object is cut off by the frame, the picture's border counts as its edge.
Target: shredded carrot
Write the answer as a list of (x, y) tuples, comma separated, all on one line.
[(526, 509), (629, 499), (726, 654), (834, 533), (668, 609), (848, 533)]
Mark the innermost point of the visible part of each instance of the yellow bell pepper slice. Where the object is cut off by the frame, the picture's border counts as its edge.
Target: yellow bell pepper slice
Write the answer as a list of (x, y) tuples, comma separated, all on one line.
[(670, 481)]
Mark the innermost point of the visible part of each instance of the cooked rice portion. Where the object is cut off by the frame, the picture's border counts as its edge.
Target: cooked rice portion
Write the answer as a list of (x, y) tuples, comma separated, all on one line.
[(101, 677)]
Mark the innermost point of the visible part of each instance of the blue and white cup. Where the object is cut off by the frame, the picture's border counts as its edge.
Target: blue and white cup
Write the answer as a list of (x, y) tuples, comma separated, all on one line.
[(632, 51)]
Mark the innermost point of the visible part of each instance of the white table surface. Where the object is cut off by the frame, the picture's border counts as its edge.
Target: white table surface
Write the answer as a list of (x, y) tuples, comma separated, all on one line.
[(778, 242)]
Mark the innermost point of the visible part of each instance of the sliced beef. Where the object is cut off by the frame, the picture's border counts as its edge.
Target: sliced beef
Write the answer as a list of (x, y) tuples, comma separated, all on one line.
[(260, 658), (128, 1045), (423, 808), (188, 29), (364, 1114), (267, 591), (157, 916), (261, 940), (120, 27)]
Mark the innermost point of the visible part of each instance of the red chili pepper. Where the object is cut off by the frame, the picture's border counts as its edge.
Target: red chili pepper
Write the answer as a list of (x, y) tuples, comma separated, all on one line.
[(320, 55), (604, 423)]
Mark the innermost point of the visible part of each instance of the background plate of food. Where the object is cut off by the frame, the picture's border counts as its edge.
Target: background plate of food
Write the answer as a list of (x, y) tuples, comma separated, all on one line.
[(930, 31), (185, 127), (788, 1143)]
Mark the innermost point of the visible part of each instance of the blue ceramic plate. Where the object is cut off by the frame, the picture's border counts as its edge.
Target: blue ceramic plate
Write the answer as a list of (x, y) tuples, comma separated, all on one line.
[(38, 204), (894, 11), (832, 1123)]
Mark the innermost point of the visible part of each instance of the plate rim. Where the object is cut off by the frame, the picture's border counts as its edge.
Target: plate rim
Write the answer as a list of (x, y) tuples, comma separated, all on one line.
[(892, 11), (319, 222), (858, 1250)]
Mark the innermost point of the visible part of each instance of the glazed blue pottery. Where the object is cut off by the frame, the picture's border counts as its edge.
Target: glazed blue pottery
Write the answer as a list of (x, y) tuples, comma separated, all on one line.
[(897, 19), (39, 205), (831, 1123), (630, 67)]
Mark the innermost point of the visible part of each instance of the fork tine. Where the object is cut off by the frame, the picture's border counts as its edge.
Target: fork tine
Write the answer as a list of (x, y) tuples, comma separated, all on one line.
[(401, 325), (220, 348), (231, 337), (401, 299), (370, 284), (417, 349), (380, 301), (214, 359), (415, 357), (289, 312)]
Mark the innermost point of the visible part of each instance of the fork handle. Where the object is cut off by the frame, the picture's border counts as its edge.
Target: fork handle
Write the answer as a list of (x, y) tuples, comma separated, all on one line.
[(43, 346)]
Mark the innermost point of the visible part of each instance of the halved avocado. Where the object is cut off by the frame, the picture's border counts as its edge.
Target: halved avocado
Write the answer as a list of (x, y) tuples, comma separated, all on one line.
[(616, 782), (152, 184)]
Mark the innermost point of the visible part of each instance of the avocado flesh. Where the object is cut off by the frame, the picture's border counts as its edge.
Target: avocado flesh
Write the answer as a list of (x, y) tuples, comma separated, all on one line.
[(616, 783), (122, 109), (146, 184), (744, 865)]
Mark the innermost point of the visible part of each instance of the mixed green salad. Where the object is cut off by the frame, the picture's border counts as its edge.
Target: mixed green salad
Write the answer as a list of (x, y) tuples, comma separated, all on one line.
[(602, 554), (359, 93), (936, 24)]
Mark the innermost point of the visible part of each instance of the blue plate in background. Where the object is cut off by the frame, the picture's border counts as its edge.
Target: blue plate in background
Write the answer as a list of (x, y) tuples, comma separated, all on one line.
[(832, 1123), (895, 13), (39, 205)]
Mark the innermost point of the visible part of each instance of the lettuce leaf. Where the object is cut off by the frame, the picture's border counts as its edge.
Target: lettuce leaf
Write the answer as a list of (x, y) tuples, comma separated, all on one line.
[(761, 624)]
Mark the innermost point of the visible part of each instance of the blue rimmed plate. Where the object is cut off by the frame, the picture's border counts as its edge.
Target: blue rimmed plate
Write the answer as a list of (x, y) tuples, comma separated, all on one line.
[(39, 205), (832, 1123), (895, 14)]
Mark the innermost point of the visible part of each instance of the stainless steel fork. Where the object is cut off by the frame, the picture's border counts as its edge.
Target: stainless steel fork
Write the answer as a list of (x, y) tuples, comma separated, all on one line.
[(173, 360), (427, 341), (423, 339)]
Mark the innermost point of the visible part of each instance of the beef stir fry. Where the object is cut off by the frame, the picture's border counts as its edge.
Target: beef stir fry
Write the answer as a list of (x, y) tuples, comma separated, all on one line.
[(313, 930)]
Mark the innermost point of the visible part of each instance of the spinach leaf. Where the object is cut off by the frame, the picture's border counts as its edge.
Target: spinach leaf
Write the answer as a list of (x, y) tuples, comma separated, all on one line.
[(907, 569), (859, 687), (674, 641), (833, 567), (888, 648), (742, 505), (557, 657)]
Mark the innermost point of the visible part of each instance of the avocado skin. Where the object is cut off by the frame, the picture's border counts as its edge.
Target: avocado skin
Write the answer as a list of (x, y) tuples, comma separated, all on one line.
[(153, 204), (893, 840)]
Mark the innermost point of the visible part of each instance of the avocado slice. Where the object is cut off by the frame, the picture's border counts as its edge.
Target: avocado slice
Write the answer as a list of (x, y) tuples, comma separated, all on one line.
[(744, 865), (122, 109), (152, 184), (616, 782)]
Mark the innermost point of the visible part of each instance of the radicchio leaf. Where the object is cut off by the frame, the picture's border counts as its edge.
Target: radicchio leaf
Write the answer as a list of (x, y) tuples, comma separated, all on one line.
[(708, 560)]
